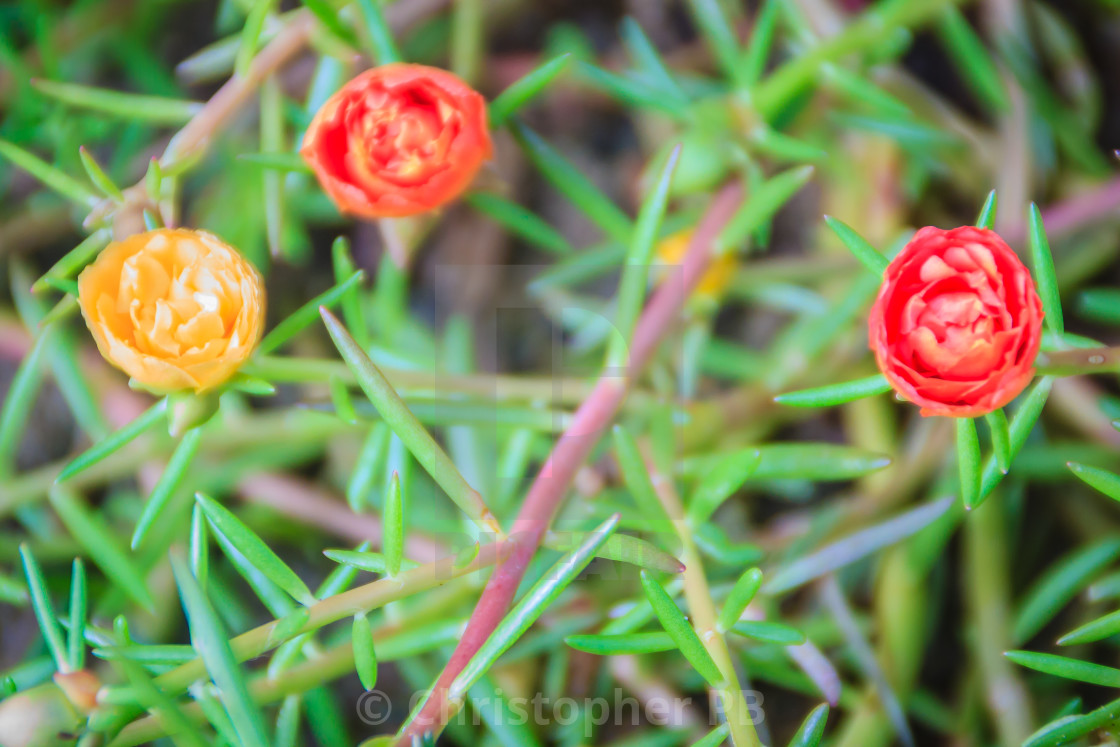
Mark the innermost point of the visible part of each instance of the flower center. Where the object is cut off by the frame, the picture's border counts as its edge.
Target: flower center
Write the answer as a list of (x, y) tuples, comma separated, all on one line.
[(404, 133), (953, 333), (178, 306)]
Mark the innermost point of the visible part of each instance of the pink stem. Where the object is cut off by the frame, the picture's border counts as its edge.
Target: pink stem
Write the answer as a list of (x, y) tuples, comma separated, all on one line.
[(1075, 213), (301, 500), (289, 42), (571, 450)]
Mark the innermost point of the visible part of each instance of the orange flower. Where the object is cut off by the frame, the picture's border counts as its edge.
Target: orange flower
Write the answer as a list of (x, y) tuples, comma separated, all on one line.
[(174, 309), (716, 278), (398, 140), (957, 323)]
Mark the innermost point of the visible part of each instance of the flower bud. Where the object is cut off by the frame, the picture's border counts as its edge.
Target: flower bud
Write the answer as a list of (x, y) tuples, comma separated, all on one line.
[(957, 323), (174, 309), (398, 140)]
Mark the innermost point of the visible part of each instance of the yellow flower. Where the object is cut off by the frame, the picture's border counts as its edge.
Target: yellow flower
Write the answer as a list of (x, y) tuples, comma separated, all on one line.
[(174, 309), (714, 281)]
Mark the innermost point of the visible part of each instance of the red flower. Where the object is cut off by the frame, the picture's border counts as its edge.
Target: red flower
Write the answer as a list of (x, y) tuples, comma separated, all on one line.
[(957, 323), (398, 140)]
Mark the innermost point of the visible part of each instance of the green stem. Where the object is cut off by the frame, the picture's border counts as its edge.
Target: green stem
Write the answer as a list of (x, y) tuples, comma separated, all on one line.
[(373, 595), (281, 429), (987, 583), (704, 618), (286, 370), (324, 666), (467, 39)]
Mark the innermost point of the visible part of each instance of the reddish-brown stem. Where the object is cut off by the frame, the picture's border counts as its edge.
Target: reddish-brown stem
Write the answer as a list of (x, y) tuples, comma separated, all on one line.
[(236, 91), (1079, 361), (551, 484)]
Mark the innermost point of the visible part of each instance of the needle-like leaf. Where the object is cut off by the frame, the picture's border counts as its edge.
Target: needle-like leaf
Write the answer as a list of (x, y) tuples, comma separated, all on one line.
[(1095, 477), (675, 624), (1022, 422), (753, 58), (44, 610), (598, 208), (836, 394), (156, 110), (365, 659), (306, 314), (98, 176), (392, 538), (74, 260), (742, 594), (520, 221), (199, 546), (1001, 439), (626, 643), (760, 206), (340, 398), (987, 216), (259, 554), (531, 606), (79, 596), (869, 256), (714, 738), (812, 728), (328, 16), (972, 60), (722, 480), (18, 401), (1064, 729), (210, 640), (1063, 666), (1044, 275), (64, 184), (769, 632), (169, 482), (803, 461), (636, 476), (157, 655), (519, 93), (1099, 629), (621, 547), (382, 46), (629, 91), (251, 35), (635, 271), (1059, 584), (373, 562), (90, 531), (370, 462), (718, 32), (405, 425), (650, 62)]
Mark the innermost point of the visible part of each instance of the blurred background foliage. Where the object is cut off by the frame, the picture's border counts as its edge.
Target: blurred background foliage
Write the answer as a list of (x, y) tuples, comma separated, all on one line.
[(491, 319)]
